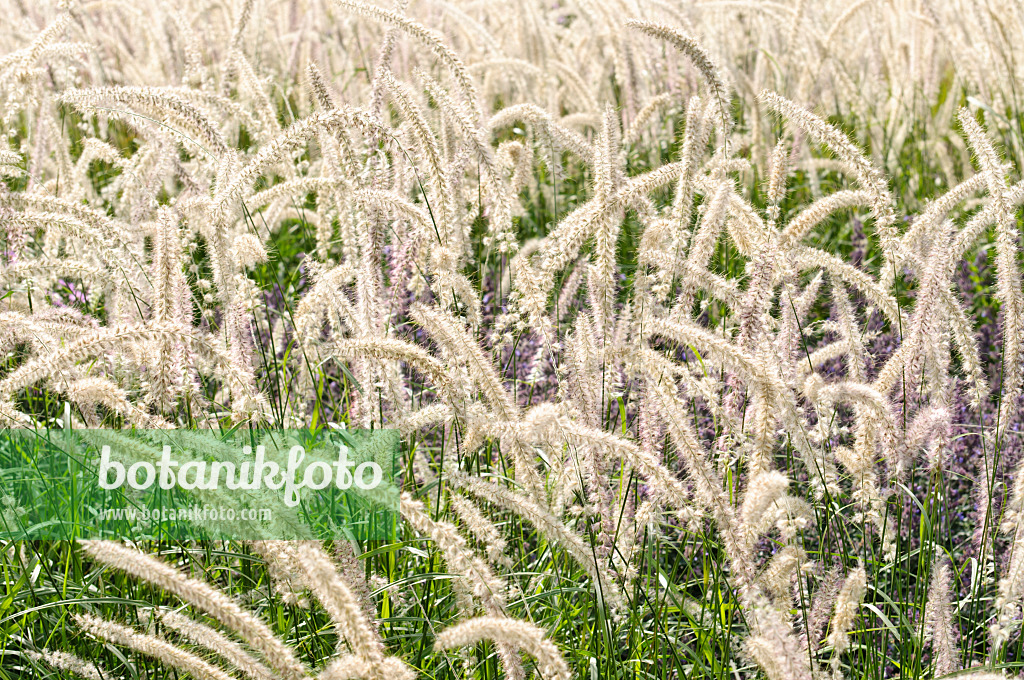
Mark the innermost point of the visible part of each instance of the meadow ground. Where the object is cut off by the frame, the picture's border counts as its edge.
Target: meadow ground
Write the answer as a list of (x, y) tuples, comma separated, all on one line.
[(702, 324)]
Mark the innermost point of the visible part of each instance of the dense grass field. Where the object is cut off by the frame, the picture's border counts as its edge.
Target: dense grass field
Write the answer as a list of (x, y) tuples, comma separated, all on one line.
[(702, 324)]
